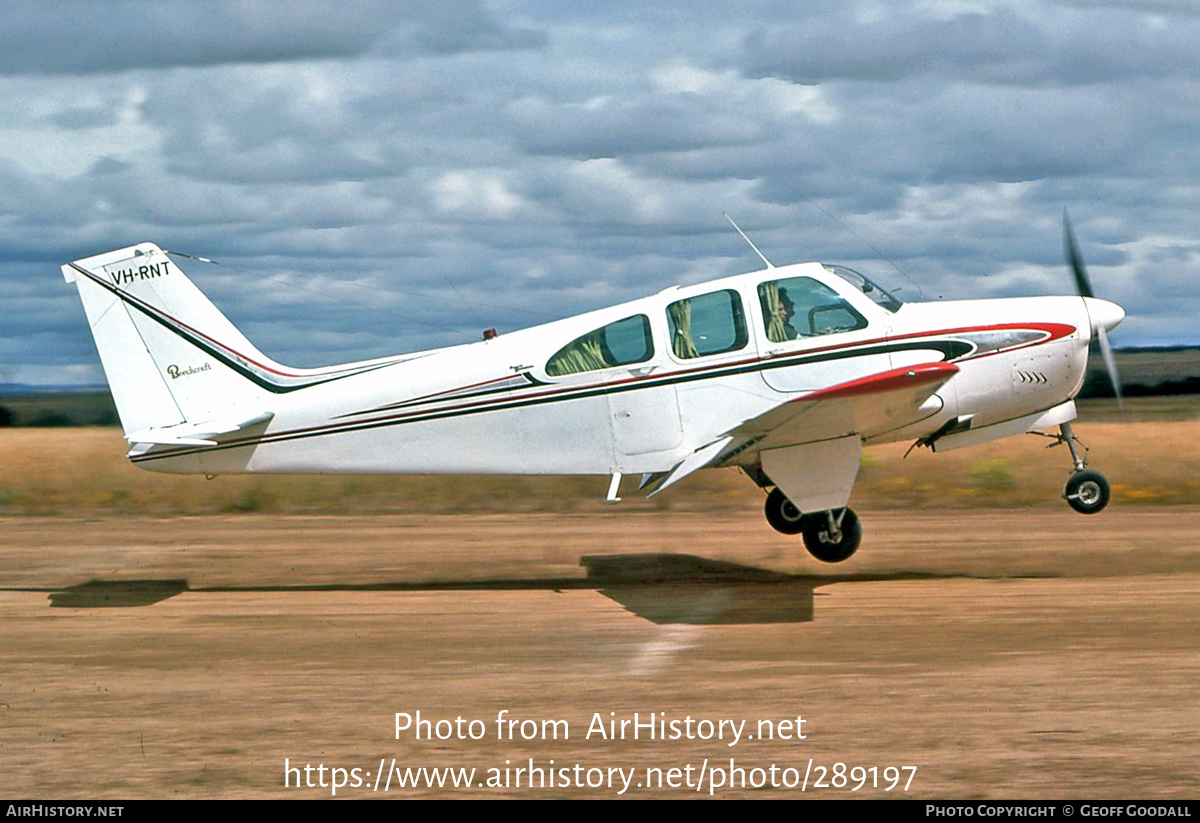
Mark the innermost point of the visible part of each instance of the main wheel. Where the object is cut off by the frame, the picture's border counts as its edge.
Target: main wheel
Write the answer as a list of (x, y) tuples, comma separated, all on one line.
[(782, 514), (1087, 491), (827, 547)]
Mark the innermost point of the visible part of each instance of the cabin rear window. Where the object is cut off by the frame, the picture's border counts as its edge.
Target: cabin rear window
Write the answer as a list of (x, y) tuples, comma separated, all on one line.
[(617, 344), (708, 324)]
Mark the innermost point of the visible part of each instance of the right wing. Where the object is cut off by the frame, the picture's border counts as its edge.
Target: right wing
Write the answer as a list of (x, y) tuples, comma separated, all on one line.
[(810, 446), (865, 407)]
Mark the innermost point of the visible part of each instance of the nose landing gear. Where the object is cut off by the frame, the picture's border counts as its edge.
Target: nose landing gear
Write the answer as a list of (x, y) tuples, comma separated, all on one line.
[(1087, 491)]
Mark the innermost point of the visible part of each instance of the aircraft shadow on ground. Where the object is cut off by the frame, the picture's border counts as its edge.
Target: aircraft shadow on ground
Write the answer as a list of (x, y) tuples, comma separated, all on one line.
[(686, 589), (663, 588), (104, 593)]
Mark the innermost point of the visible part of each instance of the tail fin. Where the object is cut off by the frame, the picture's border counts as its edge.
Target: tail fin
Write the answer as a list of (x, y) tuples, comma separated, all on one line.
[(172, 359), (179, 371)]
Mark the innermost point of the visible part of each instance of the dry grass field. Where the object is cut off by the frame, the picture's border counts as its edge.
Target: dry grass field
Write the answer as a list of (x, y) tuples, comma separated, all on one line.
[(1149, 453), (176, 638)]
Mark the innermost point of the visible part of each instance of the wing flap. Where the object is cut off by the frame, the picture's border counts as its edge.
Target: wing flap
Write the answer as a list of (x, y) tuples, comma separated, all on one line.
[(815, 476), (694, 462)]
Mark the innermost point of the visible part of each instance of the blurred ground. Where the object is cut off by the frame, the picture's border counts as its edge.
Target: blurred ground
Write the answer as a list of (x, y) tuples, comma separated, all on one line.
[(1148, 450), (1007, 653)]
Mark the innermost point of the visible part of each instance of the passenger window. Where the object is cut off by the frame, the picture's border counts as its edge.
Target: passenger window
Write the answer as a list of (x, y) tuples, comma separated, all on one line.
[(803, 307), (708, 324), (617, 344)]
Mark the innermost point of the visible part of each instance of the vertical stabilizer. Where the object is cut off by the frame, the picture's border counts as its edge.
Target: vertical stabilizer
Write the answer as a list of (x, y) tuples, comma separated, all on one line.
[(169, 354)]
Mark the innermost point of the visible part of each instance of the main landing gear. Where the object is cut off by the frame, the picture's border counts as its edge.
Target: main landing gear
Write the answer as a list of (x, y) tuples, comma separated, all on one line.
[(1086, 491), (829, 536)]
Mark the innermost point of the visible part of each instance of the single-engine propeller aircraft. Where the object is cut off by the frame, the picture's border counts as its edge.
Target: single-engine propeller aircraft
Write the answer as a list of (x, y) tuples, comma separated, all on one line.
[(785, 372)]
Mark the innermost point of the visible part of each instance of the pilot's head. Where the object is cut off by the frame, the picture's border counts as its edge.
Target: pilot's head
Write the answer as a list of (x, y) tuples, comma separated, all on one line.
[(787, 309)]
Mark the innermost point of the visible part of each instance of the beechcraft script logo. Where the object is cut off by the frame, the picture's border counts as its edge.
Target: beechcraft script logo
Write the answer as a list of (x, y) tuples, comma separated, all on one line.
[(177, 372)]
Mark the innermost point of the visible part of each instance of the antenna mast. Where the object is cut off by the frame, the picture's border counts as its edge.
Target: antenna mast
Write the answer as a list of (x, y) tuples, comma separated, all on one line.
[(747, 239)]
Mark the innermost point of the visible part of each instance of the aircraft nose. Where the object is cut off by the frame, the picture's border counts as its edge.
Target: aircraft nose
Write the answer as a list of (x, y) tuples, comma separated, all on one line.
[(1104, 314)]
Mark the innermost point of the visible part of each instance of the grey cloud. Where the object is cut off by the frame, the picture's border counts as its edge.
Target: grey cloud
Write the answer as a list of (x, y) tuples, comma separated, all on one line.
[(611, 129), (85, 118), (1047, 47), (76, 37), (839, 47), (316, 183), (82, 36), (1166, 7), (262, 133), (446, 28), (106, 166)]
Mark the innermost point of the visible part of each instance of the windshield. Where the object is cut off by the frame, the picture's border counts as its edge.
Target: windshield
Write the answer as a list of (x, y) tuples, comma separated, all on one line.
[(864, 285)]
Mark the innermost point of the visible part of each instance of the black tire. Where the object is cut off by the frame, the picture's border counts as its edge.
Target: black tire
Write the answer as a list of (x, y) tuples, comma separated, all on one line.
[(820, 546), (1087, 491), (782, 514)]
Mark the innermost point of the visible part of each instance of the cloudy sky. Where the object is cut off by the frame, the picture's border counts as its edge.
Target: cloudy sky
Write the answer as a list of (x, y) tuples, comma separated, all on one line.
[(374, 176)]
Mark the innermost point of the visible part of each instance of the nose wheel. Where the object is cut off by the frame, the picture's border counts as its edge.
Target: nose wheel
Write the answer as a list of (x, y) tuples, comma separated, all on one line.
[(1086, 491)]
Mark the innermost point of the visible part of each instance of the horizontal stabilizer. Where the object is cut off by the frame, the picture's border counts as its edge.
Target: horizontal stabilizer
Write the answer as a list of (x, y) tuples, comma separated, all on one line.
[(197, 434)]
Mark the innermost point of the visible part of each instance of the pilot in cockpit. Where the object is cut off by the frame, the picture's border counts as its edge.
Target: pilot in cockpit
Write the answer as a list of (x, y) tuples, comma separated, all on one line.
[(786, 311)]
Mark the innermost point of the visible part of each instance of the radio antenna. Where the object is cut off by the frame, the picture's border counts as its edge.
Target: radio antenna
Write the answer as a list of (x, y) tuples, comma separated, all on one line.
[(747, 239)]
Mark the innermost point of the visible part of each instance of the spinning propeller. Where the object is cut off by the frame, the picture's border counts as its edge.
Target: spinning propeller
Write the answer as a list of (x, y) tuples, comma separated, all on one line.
[(1104, 314)]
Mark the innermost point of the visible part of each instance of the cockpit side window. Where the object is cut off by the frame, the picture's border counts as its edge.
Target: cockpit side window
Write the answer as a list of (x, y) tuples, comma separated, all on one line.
[(617, 344), (802, 307), (708, 324)]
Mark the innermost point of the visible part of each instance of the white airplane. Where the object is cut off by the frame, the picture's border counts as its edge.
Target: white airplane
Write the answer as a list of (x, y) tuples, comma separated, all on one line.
[(785, 372)]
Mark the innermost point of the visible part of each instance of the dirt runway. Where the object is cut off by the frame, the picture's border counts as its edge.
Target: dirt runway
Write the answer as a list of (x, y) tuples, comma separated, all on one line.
[(1003, 654)]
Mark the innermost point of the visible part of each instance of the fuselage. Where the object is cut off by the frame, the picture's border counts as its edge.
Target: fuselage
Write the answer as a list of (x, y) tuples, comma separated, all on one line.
[(638, 387)]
